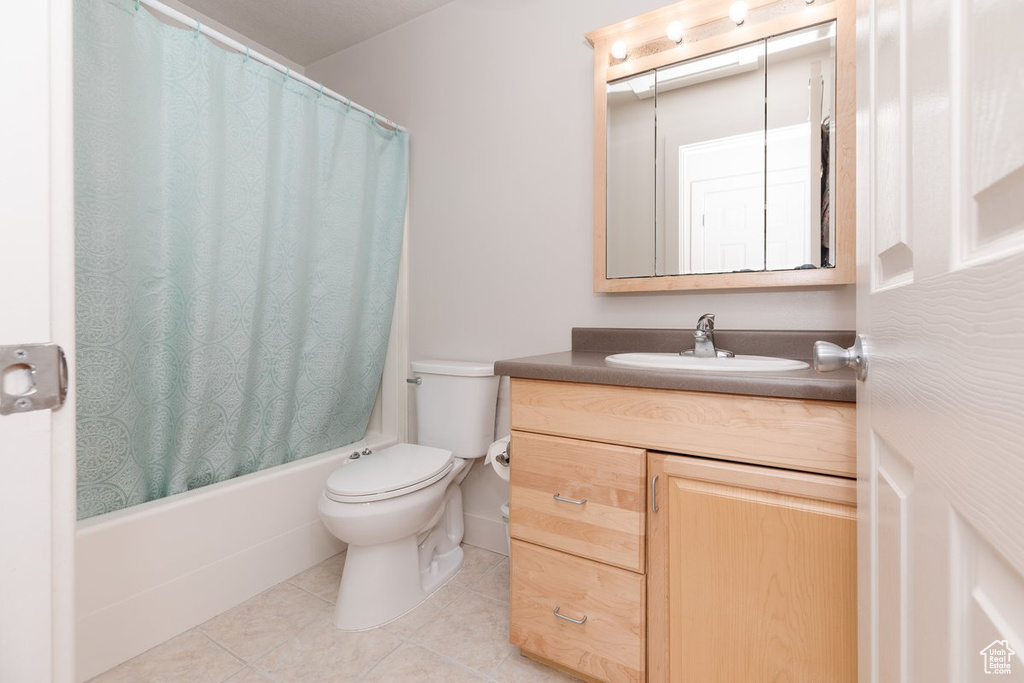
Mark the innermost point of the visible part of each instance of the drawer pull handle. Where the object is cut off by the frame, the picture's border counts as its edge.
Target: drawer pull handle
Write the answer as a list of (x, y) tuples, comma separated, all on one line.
[(578, 622), (560, 499), (654, 493)]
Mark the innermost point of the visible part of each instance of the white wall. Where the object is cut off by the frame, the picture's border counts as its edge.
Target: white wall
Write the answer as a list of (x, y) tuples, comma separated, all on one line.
[(498, 97)]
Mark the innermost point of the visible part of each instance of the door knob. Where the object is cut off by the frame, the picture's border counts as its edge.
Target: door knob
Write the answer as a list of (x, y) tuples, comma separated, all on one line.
[(829, 357)]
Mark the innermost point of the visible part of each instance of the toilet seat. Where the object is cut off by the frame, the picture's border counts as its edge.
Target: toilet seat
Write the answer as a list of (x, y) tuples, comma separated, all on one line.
[(388, 473)]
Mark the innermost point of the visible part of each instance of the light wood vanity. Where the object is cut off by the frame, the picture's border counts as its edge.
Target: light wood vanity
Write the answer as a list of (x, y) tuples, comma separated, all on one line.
[(682, 535)]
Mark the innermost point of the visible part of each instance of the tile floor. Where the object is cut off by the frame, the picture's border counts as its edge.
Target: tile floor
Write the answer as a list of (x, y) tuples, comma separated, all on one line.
[(285, 635)]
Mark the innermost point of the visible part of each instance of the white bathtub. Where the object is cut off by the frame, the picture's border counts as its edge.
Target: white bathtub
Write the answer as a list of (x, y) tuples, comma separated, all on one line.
[(152, 571)]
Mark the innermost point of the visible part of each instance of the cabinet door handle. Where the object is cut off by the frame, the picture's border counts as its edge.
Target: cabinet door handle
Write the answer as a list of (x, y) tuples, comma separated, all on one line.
[(578, 622), (560, 499), (654, 493)]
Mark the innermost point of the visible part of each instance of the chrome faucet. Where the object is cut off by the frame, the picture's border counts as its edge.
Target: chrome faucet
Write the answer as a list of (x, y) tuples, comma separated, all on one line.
[(704, 340)]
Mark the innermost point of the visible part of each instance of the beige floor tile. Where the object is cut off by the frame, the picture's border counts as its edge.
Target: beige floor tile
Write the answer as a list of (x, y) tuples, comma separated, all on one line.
[(323, 653), (494, 584), (407, 624), (323, 579), (473, 631), (476, 563), (411, 663), (248, 676), (519, 669), (259, 625), (188, 657)]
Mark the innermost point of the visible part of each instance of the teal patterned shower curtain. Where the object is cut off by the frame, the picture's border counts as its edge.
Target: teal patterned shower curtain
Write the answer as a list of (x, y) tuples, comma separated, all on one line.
[(237, 244)]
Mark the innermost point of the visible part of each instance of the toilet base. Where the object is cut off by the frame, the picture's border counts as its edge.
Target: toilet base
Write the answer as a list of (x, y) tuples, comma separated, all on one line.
[(381, 583)]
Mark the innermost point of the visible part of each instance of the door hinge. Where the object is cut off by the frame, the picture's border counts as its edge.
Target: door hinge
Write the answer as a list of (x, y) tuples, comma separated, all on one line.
[(32, 377)]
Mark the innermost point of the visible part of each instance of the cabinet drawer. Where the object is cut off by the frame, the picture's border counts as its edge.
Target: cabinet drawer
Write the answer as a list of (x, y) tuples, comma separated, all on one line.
[(609, 645), (797, 434), (609, 527)]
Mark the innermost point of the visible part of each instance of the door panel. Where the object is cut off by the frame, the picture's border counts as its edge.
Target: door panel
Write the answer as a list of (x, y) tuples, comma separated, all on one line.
[(991, 597), (894, 486)]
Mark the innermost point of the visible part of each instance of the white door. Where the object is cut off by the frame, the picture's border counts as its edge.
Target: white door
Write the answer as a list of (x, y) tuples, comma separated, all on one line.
[(728, 224), (940, 156), (37, 473)]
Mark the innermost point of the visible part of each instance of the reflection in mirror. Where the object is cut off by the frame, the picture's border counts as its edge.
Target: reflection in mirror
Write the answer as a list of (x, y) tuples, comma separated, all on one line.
[(711, 164), (800, 143), (630, 201)]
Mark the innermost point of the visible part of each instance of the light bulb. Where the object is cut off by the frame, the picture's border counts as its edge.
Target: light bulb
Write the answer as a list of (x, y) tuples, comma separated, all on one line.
[(619, 49), (808, 2), (675, 32), (738, 12)]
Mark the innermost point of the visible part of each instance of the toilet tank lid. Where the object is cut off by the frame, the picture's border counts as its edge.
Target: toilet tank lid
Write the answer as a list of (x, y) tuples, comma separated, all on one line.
[(460, 368)]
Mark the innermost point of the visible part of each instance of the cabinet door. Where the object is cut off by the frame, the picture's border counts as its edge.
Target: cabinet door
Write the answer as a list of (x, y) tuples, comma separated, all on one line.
[(752, 574)]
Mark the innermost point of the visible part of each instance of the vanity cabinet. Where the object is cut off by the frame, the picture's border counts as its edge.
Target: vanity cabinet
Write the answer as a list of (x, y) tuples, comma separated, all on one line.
[(634, 560)]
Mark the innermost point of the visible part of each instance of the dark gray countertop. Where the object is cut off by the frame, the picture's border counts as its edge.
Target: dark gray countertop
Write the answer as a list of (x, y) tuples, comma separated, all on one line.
[(585, 363)]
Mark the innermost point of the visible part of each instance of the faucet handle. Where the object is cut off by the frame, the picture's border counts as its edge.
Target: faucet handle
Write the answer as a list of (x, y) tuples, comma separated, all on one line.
[(706, 322)]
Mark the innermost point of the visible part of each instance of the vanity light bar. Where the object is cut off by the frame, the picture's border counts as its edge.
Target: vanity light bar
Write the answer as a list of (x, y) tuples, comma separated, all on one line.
[(674, 31)]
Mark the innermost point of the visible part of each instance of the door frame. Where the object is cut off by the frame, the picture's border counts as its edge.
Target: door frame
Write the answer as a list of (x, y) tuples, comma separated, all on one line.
[(37, 450)]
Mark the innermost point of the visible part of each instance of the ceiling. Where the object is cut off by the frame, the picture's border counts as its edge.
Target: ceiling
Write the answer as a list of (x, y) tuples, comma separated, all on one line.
[(305, 31)]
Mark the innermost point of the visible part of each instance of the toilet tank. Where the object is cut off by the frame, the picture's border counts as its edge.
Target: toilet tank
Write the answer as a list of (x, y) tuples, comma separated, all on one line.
[(455, 405)]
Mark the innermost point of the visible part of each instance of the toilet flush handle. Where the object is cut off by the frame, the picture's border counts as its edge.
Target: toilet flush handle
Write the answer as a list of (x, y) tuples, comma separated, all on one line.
[(414, 380)]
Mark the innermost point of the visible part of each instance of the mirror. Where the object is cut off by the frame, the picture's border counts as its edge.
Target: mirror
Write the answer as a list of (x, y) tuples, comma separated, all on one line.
[(710, 189), (737, 146), (725, 159), (800, 149), (631, 160)]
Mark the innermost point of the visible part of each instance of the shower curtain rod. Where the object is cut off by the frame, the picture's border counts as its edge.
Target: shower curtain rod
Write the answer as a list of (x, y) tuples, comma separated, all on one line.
[(174, 14)]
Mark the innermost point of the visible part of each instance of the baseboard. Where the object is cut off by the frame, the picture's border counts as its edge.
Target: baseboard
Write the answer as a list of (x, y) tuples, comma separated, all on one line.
[(486, 533)]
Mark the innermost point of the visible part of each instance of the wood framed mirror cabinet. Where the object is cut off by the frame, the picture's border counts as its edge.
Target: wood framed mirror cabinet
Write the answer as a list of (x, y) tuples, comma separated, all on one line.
[(724, 146)]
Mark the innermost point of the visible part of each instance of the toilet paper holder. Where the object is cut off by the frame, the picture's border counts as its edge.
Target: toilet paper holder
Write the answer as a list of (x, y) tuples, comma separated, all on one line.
[(505, 457)]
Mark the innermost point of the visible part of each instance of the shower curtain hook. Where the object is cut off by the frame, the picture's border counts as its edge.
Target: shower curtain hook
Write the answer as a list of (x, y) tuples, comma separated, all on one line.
[(287, 73), (137, 3), (199, 28), (348, 105), (321, 94), (246, 55)]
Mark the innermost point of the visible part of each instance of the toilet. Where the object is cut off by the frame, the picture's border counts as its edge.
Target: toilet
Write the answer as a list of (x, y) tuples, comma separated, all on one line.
[(400, 508)]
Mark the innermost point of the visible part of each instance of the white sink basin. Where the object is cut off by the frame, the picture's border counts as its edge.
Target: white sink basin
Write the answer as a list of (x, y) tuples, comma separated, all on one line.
[(673, 361)]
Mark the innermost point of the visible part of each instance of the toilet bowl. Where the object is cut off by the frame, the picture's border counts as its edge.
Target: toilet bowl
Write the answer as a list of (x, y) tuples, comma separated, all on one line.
[(400, 508)]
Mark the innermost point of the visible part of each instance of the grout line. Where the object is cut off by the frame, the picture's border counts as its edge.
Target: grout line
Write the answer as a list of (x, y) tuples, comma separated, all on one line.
[(362, 675), (488, 676), (306, 590), (219, 646)]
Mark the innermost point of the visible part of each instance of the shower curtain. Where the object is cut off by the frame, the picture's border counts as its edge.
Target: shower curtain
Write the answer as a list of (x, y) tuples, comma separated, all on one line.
[(238, 238)]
